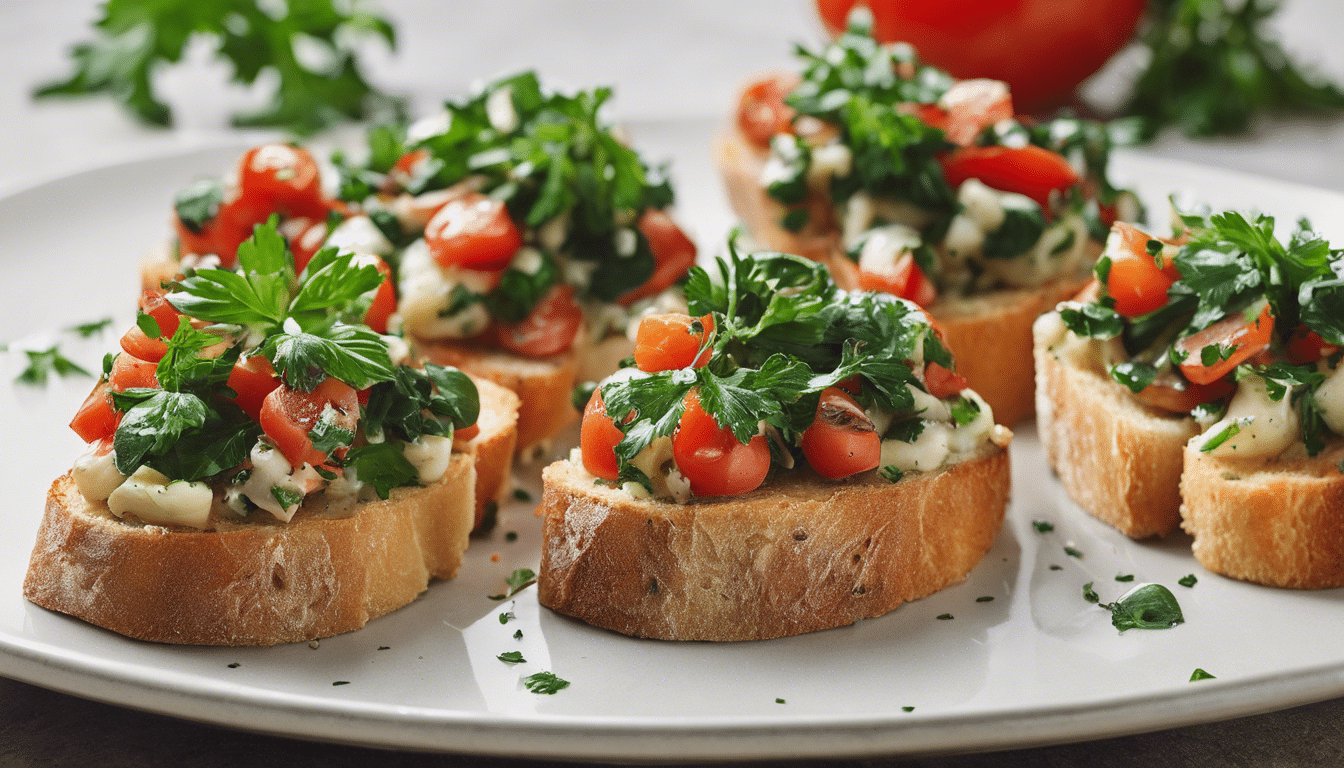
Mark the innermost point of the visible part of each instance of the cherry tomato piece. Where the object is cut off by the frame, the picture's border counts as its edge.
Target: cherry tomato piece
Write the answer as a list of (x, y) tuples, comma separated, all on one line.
[(903, 278), (598, 436), (130, 372), (253, 379), (673, 254), (473, 231), (403, 171), (1031, 171), (761, 111), (549, 328), (1041, 48), (1237, 340), (1171, 393), (279, 178), (712, 459), (970, 106), (842, 440), (667, 342), (1135, 282), (942, 382), (384, 300), (1306, 346), (137, 343), (96, 418), (305, 238), (288, 415)]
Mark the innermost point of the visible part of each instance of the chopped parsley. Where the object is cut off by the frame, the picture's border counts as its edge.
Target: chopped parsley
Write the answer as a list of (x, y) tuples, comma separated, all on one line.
[(985, 599), (518, 634), (506, 616), (512, 657), (517, 581), (779, 701), (907, 709), (1151, 606), (1124, 577), (521, 494), (42, 363), (1071, 552), (944, 617), (1090, 594), (1043, 526), (1187, 580), (341, 682), (87, 330), (545, 683), (1200, 674)]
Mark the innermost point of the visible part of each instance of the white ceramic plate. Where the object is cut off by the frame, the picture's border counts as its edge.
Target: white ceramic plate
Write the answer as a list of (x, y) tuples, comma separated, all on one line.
[(1035, 665)]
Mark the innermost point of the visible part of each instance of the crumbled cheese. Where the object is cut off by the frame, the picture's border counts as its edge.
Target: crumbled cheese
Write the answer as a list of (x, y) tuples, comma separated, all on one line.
[(429, 126), (154, 498), (830, 160), (527, 260), (1265, 427), (1330, 400), (981, 205), (426, 292), (430, 455), (358, 234), (552, 234), (270, 470), (626, 242), (883, 247), (500, 112), (96, 474)]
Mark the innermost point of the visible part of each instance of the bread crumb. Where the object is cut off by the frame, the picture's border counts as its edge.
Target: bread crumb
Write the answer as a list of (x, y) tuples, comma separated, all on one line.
[(314, 644), (495, 558)]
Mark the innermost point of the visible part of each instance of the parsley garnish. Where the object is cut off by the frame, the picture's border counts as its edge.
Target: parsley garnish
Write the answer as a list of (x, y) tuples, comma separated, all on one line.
[(891, 474), (42, 363), (1200, 674), (985, 599), (545, 683), (518, 634), (1043, 526), (1071, 552), (341, 682), (944, 617), (134, 41), (779, 700), (907, 709), (383, 466), (87, 330), (512, 657), (517, 582), (521, 494), (1187, 580), (964, 411), (1151, 606), (1124, 577), (1092, 320), (506, 616)]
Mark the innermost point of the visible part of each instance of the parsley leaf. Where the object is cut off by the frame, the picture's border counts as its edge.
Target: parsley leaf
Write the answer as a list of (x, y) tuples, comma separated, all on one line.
[(135, 40), (517, 582), (512, 657), (41, 363), (355, 354), (1151, 606), (87, 330), (545, 683), (383, 466)]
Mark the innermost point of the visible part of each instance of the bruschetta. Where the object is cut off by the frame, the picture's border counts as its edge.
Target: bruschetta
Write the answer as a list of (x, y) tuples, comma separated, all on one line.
[(260, 471), (1195, 382), (790, 459), (904, 180)]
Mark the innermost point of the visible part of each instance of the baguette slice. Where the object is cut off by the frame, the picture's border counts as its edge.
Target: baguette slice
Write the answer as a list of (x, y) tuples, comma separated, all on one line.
[(494, 445), (1279, 523), (252, 583), (989, 335), (543, 385), (1118, 459), (800, 555)]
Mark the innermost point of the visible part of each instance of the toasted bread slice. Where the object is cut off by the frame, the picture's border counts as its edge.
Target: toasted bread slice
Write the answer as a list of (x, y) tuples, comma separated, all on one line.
[(1118, 459), (494, 445), (1278, 522), (543, 385), (989, 335), (258, 582), (800, 554)]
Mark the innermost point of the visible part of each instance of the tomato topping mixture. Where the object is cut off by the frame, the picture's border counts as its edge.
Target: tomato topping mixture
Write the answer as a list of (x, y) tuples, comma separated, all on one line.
[(137, 343), (473, 231), (761, 111), (96, 419), (673, 254), (712, 459), (288, 415), (942, 382), (1031, 171), (1135, 281), (130, 372), (550, 328), (253, 378), (842, 441), (279, 178), (1236, 340), (904, 278), (667, 342), (384, 300), (969, 107)]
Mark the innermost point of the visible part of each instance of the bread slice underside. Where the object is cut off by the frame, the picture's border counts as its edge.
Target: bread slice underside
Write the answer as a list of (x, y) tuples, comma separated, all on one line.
[(259, 582), (802, 554), (1117, 459), (1278, 522)]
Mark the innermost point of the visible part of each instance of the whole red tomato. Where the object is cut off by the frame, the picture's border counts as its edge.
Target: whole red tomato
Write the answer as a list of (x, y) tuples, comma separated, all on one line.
[(1042, 48)]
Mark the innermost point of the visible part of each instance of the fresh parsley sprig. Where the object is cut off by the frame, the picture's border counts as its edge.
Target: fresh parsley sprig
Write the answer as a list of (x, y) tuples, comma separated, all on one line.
[(136, 39)]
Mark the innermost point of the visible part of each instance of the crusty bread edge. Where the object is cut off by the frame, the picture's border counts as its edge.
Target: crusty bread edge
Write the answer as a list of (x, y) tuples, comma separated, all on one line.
[(249, 584), (801, 555), (494, 445), (1117, 459)]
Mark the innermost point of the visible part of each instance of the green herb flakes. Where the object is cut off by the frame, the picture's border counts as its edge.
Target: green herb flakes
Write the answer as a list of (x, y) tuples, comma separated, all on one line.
[(945, 617), (88, 330), (779, 701), (1042, 526), (506, 617), (42, 363), (545, 683), (518, 634), (1187, 580), (234, 665), (1071, 552), (907, 709), (521, 494), (1124, 577), (341, 682), (985, 599), (512, 657), (1089, 594), (517, 581), (1200, 674), (1151, 606)]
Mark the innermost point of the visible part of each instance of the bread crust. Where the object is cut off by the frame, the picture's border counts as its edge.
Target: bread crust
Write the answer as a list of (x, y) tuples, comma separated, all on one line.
[(989, 335), (543, 384), (801, 555), (494, 445), (1279, 522), (1117, 459), (254, 583)]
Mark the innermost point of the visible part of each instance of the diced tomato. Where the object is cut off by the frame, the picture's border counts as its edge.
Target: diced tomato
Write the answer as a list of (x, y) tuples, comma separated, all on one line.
[(384, 301), (130, 372), (842, 440), (550, 328), (970, 106), (137, 343), (473, 231), (253, 378), (1306, 346), (1031, 171), (305, 238), (598, 436), (853, 385), (1237, 340), (279, 178), (673, 254), (712, 459), (941, 382), (288, 415), (96, 418), (199, 243), (1134, 281), (667, 342), (1171, 393), (403, 171), (903, 278), (466, 433), (761, 111)]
